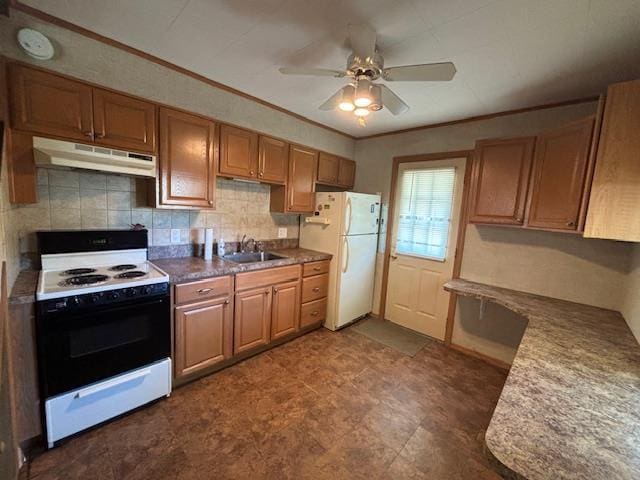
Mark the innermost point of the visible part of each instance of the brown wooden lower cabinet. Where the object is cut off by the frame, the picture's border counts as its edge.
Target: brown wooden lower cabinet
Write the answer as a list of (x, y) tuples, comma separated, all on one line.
[(285, 311), (203, 333), (252, 320)]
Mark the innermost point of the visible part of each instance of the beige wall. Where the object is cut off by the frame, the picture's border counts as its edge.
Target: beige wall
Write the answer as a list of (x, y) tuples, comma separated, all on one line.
[(64, 203), (558, 265), (631, 301)]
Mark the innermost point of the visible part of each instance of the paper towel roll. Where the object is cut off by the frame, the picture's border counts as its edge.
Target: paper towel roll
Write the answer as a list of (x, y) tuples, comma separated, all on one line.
[(208, 243)]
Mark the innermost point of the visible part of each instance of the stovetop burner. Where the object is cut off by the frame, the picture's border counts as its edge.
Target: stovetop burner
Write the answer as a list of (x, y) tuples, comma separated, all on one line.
[(78, 271), (125, 266), (133, 274), (84, 280)]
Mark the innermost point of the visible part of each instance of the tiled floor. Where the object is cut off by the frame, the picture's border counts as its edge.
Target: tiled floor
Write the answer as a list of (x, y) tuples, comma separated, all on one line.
[(325, 406)]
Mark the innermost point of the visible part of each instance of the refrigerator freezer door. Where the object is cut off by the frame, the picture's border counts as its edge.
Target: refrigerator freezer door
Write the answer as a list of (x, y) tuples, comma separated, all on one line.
[(356, 269), (361, 212)]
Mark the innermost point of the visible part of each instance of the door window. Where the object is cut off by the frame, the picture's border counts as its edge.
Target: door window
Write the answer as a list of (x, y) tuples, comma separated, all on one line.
[(424, 212)]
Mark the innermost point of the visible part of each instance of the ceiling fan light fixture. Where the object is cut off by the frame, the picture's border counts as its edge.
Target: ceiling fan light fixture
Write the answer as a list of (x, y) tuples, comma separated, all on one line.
[(346, 102), (361, 112), (363, 92), (376, 98)]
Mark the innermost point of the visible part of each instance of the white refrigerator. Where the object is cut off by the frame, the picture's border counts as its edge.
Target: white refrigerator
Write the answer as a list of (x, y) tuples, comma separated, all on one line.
[(345, 224)]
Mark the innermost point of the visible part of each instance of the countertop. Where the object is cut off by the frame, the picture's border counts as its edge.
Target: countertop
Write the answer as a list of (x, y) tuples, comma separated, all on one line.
[(187, 269), (570, 408), (183, 269)]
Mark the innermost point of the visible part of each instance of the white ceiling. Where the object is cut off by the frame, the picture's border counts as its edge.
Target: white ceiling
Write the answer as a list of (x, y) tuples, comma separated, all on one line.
[(509, 53)]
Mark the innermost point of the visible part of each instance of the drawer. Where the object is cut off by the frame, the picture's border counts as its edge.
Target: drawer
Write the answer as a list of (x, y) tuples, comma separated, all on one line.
[(315, 287), (85, 407), (203, 289), (315, 268), (269, 276), (313, 312)]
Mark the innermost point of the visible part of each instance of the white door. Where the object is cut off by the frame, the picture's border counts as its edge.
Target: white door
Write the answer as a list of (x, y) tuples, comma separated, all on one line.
[(361, 213), (357, 264), (425, 231)]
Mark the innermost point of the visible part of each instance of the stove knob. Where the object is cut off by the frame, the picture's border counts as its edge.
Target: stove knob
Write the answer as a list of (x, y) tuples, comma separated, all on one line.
[(94, 298), (114, 296), (76, 302), (145, 290), (130, 292)]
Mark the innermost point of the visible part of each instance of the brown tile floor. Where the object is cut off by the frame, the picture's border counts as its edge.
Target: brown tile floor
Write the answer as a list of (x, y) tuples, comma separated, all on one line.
[(325, 406)]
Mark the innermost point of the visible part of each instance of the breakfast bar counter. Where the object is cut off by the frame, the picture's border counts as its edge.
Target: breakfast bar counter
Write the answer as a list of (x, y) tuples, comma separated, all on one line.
[(570, 408)]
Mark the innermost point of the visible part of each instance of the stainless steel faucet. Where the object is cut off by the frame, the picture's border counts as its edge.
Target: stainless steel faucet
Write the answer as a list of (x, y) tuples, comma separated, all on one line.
[(244, 244)]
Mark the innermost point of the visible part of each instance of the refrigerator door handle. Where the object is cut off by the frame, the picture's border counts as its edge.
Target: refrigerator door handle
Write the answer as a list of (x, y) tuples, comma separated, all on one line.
[(348, 216), (345, 262)]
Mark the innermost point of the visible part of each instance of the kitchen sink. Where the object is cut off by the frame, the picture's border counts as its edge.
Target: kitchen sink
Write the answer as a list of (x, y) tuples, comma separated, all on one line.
[(252, 257)]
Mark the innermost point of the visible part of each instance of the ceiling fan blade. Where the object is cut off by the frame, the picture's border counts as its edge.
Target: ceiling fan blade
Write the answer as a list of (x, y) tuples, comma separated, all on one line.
[(333, 101), (363, 40), (317, 72), (393, 102), (429, 72)]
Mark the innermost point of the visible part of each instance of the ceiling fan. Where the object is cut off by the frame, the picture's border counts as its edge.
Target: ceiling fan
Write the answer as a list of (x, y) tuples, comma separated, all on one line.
[(365, 65)]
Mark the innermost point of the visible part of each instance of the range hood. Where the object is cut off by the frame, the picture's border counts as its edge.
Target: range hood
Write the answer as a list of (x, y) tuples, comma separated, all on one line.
[(58, 153)]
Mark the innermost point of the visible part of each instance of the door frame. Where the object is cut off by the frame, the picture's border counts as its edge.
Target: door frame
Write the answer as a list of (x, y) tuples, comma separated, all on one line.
[(462, 226)]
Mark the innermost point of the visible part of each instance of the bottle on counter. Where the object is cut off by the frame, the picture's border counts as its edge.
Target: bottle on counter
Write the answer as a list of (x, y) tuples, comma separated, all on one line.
[(221, 248)]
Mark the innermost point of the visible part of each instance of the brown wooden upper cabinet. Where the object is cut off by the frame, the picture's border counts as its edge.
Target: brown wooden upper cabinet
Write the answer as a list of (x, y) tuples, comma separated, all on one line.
[(615, 193), (188, 154), (238, 152), (50, 105), (500, 179), (336, 171), (328, 168), (558, 179), (301, 184), (47, 104), (124, 122), (273, 160)]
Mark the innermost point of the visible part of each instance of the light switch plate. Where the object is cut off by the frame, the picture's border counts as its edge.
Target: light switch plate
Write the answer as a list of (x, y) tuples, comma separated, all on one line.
[(175, 235), (282, 232)]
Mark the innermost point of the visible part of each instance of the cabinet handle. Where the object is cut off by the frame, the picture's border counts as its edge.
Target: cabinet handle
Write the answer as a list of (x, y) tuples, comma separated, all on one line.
[(570, 224), (251, 172), (316, 289), (316, 269), (266, 292), (210, 202), (204, 291), (260, 174), (88, 134), (226, 302), (314, 313), (275, 290), (99, 135)]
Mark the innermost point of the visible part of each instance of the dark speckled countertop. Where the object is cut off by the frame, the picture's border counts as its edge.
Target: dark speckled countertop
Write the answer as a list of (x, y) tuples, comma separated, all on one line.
[(183, 269), (570, 408), (187, 269)]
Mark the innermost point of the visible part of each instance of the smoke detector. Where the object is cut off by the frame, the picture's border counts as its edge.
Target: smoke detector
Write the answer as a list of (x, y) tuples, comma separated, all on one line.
[(35, 44)]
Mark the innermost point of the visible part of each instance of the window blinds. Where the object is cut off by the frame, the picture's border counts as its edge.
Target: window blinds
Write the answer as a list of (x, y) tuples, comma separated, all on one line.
[(426, 198)]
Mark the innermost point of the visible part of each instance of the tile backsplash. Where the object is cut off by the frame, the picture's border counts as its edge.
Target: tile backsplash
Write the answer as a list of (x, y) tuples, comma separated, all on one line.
[(72, 199)]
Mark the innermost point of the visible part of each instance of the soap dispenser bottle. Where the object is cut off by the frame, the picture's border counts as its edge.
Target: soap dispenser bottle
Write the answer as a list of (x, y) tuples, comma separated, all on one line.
[(221, 248)]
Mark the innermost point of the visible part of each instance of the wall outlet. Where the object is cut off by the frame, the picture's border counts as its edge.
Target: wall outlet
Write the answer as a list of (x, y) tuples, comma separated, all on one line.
[(282, 232), (175, 235)]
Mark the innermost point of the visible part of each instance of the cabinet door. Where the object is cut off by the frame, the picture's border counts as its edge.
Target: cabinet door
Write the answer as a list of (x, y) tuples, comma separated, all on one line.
[(347, 174), (124, 122), (273, 160), (558, 176), (500, 180), (328, 168), (285, 313), (50, 105), (301, 186), (238, 152), (204, 335), (252, 319), (187, 159), (615, 192)]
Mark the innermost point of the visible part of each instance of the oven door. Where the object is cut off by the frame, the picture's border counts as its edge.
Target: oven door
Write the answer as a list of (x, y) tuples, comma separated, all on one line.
[(80, 348)]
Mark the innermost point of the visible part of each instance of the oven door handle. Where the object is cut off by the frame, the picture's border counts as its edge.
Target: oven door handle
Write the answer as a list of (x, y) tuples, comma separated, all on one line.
[(112, 383)]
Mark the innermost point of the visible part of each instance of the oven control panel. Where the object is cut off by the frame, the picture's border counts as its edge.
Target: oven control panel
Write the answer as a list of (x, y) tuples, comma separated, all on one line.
[(108, 297)]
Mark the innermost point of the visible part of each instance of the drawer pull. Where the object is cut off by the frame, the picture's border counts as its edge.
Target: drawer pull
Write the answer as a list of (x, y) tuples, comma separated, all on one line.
[(316, 269), (204, 291), (314, 313), (316, 289), (112, 383)]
